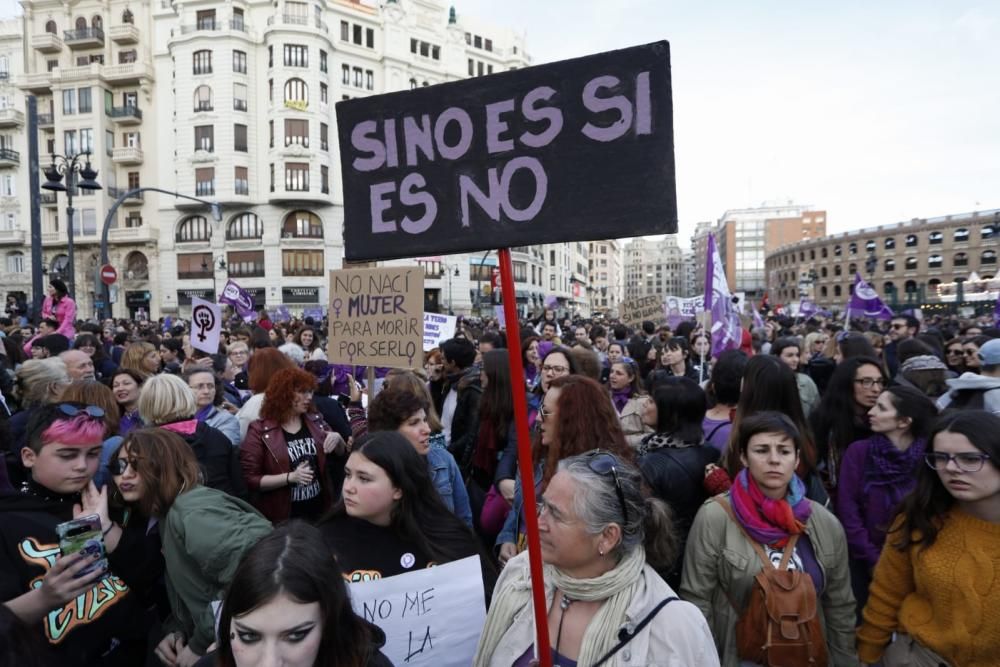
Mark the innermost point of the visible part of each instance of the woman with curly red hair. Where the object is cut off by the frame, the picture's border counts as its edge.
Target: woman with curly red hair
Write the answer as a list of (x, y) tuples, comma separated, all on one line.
[(575, 417), (284, 453)]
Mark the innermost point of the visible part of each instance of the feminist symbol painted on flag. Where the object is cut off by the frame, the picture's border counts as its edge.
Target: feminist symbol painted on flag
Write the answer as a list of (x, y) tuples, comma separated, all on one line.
[(204, 318)]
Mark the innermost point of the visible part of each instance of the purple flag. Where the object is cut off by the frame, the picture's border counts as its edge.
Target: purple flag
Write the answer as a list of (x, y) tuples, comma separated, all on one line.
[(727, 334), (239, 299), (807, 307), (758, 322), (864, 302), (551, 302), (996, 312)]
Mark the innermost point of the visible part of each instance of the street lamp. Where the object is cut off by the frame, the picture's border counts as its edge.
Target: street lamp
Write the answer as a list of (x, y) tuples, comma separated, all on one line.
[(448, 268), (218, 263), (78, 175)]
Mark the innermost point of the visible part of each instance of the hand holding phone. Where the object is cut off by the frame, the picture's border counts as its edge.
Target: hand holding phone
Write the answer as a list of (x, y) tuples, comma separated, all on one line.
[(84, 536)]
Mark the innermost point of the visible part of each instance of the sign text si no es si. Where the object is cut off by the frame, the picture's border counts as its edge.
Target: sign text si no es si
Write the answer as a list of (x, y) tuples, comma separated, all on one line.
[(570, 151)]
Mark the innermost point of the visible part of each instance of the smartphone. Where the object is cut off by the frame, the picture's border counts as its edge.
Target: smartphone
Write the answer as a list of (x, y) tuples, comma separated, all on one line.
[(344, 400), (84, 536)]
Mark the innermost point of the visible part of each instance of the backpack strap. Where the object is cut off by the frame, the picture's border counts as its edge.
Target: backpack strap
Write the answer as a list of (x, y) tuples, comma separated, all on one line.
[(624, 636), (717, 427), (789, 548)]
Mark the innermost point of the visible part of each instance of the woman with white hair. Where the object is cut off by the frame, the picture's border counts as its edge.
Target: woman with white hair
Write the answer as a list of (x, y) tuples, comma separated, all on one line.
[(606, 604), (37, 382), (167, 401)]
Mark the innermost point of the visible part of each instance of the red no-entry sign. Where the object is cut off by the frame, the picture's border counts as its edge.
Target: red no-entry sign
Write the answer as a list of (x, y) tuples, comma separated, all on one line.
[(108, 274)]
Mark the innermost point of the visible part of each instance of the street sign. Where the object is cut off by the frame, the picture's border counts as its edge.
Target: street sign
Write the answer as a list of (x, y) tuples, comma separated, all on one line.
[(109, 276)]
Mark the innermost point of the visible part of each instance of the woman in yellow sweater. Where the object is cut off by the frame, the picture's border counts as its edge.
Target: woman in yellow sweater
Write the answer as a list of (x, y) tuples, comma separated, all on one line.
[(938, 578)]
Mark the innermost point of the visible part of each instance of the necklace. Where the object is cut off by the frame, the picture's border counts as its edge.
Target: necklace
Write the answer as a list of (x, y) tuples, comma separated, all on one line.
[(563, 607), (31, 488)]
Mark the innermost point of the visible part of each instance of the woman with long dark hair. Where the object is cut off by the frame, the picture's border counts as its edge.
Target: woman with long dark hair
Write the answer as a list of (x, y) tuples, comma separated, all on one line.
[(877, 473), (390, 518), (933, 594), (629, 397), (842, 415), (288, 593)]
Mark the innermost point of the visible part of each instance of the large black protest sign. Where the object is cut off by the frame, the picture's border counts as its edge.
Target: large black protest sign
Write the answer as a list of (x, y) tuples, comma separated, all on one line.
[(572, 151)]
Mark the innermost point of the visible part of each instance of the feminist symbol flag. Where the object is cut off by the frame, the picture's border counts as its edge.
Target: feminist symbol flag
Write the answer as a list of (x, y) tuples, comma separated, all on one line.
[(238, 298), (727, 334), (864, 302)]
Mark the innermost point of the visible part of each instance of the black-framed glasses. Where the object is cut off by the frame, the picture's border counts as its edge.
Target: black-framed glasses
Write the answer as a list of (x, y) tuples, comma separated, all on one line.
[(966, 461), (603, 463), (71, 410), (119, 466), (868, 383)]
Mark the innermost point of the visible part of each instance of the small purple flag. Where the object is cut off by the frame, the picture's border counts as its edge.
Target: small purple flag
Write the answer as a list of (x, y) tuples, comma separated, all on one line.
[(551, 302), (807, 307), (727, 334), (864, 302), (758, 322), (282, 314), (239, 299)]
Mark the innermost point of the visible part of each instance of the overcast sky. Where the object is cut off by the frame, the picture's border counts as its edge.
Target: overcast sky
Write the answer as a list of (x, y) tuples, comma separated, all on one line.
[(876, 111)]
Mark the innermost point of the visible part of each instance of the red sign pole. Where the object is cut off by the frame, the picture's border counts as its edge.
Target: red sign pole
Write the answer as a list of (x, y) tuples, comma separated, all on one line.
[(524, 457)]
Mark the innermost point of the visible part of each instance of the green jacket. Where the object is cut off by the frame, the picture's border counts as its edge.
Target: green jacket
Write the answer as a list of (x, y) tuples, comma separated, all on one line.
[(205, 534), (720, 565)]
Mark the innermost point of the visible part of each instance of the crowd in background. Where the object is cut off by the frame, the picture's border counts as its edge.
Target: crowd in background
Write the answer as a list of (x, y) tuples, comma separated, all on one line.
[(846, 474)]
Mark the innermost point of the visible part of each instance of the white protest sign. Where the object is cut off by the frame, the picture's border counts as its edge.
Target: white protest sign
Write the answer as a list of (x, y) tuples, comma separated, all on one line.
[(679, 309), (206, 325), (438, 328), (500, 316), (430, 617)]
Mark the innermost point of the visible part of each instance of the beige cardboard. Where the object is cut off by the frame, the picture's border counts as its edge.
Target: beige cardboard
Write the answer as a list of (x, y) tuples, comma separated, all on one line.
[(377, 316), (650, 308)]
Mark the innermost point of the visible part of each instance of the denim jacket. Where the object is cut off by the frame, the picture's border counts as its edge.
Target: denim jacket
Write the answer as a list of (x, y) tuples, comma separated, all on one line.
[(448, 481)]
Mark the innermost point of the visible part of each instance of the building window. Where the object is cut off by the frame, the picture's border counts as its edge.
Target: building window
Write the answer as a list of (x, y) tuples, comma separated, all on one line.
[(823, 252), (204, 138), (202, 98), (358, 72), (988, 257), (244, 226), (836, 290), (193, 228), (324, 137), (345, 31), (86, 145), (324, 179), (69, 142), (852, 248), (302, 224), (271, 167), (961, 234), (83, 95), (369, 80), (837, 270), (205, 19), (191, 266), (961, 259), (870, 246), (297, 132), (911, 263), (935, 238), (240, 62), (911, 241), (270, 56), (935, 262), (357, 34), (204, 181), (202, 62), (890, 265), (240, 138), (246, 264), (69, 102), (836, 251), (51, 28), (296, 176), (296, 55), (238, 22), (890, 243), (270, 130), (301, 263), (15, 262), (296, 94), (477, 42), (324, 94), (370, 38), (987, 232), (345, 75), (322, 61), (240, 97)]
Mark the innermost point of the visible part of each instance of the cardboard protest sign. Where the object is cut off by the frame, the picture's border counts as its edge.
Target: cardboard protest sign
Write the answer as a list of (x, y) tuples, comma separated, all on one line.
[(557, 152), (679, 309), (376, 316), (206, 325), (635, 311), (430, 617), (438, 328)]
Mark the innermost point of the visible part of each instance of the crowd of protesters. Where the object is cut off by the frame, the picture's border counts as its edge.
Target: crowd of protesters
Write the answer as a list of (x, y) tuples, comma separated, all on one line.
[(826, 494)]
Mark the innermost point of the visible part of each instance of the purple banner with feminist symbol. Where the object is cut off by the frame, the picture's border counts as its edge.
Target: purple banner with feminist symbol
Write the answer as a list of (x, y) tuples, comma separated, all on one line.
[(727, 333), (865, 302), (238, 298)]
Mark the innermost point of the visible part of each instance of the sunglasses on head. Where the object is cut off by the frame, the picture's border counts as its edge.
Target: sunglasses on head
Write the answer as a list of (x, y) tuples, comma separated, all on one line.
[(603, 463), (71, 410)]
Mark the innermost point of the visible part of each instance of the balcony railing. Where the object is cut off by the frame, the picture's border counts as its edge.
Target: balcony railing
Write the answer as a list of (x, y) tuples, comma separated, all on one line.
[(9, 155), (45, 119), (84, 34), (125, 112), (115, 193), (194, 275)]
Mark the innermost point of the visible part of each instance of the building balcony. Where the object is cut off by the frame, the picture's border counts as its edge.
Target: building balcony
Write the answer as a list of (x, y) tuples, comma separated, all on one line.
[(130, 115), (127, 155), (83, 73), (281, 195), (84, 38), (128, 74), (9, 279), (46, 121), (53, 238), (139, 234), (125, 33), (9, 157), (47, 199), (134, 200), (11, 118), (39, 83), (15, 236), (47, 42)]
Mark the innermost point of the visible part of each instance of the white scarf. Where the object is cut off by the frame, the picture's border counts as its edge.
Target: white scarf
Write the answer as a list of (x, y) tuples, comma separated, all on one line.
[(617, 586)]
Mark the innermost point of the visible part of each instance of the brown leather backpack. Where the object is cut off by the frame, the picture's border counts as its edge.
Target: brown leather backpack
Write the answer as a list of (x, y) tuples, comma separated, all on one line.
[(780, 626)]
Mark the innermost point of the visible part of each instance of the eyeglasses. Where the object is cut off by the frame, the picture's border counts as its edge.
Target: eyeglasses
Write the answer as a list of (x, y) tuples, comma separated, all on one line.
[(543, 414), (554, 369), (966, 461), (957, 350), (602, 463), (868, 383), (119, 466), (970, 353), (72, 411)]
